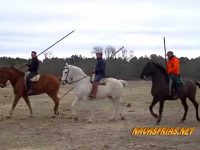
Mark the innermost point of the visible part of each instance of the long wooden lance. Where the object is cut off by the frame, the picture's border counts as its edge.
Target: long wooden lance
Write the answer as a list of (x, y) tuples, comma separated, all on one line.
[(50, 46), (165, 52), (117, 51)]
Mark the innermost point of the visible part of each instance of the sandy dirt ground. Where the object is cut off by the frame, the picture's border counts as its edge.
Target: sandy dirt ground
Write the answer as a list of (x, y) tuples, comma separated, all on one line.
[(42, 132)]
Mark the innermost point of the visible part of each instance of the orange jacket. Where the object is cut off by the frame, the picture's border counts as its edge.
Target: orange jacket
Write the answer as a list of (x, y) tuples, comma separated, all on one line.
[(173, 66)]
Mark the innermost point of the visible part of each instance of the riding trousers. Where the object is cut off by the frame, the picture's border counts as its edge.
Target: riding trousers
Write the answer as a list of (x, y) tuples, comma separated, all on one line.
[(28, 79), (174, 81), (98, 77)]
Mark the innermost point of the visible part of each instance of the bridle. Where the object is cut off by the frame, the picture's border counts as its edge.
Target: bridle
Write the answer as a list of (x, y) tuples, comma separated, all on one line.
[(66, 67)]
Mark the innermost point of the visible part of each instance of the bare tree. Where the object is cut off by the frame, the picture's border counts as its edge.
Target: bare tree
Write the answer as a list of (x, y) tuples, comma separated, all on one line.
[(48, 55), (124, 53), (97, 48), (109, 51), (131, 55)]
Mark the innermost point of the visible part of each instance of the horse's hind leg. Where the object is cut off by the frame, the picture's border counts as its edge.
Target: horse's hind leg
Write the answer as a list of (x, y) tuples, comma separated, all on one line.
[(196, 105), (91, 115), (121, 108), (28, 104), (56, 101), (151, 107), (73, 109), (183, 101), (116, 104), (160, 111)]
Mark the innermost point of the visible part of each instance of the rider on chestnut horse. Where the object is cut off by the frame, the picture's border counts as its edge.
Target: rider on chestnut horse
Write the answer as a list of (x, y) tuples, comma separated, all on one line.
[(32, 71)]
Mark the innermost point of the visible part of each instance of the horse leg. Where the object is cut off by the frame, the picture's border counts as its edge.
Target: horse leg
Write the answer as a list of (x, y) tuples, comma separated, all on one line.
[(196, 105), (73, 109), (16, 99), (28, 104), (91, 115), (121, 108), (160, 111), (116, 109), (151, 107), (183, 101), (56, 101)]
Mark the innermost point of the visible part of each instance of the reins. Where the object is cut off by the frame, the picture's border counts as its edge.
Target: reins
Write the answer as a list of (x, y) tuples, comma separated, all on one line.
[(78, 80), (71, 88)]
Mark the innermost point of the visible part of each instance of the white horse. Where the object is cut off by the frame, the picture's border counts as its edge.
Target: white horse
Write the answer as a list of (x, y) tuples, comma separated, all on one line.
[(112, 89)]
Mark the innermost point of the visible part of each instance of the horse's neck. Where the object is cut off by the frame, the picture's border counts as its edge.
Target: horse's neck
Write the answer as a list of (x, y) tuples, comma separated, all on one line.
[(14, 76), (78, 74), (81, 77), (159, 79)]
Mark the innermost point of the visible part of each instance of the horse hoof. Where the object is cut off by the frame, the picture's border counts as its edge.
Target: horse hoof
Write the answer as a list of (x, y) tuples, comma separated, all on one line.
[(90, 120), (157, 122), (156, 116), (198, 119), (123, 118), (75, 118), (57, 114), (9, 117), (70, 117), (53, 116), (182, 120), (112, 119), (10, 113), (31, 116)]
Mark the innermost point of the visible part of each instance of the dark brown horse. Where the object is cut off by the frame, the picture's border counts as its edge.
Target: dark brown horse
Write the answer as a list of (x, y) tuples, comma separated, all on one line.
[(47, 84), (160, 90)]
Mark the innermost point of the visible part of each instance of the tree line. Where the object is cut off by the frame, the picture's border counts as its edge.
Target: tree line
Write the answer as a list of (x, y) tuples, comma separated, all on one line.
[(116, 67)]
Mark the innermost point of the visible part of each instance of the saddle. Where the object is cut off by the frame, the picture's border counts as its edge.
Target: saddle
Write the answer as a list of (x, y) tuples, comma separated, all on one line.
[(178, 82), (101, 82), (36, 78)]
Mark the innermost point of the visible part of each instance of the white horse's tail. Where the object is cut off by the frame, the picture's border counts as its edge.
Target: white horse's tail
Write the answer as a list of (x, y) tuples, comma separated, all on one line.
[(124, 83)]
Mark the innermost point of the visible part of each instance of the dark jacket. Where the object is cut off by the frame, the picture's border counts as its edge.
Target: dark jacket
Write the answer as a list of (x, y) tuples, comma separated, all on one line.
[(33, 67), (100, 67)]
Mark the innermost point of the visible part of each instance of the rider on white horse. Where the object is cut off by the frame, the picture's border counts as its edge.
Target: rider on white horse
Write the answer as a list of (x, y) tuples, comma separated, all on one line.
[(82, 86), (99, 72)]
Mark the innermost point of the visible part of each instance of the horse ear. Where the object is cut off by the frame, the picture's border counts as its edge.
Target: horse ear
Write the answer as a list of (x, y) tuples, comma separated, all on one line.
[(66, 65)]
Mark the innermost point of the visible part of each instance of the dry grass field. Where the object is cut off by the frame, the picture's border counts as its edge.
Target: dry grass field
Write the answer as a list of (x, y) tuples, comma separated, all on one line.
[(42, 132)]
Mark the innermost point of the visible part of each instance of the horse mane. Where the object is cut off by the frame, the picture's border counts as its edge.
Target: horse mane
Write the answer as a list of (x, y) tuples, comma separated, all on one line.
[(77, 69), (14, 69), (162, 70)]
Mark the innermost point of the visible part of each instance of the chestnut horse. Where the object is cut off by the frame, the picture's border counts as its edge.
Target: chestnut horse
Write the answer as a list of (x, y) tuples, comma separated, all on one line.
[(47, 84)]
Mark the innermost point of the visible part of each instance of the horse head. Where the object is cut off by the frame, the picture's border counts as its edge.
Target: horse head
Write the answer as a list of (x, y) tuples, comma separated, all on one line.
[(72, 74), (3, 77), (66, 74), (147, 71)]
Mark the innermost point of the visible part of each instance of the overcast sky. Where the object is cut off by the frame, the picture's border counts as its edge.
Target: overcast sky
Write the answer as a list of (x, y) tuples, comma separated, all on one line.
[(139, 25)]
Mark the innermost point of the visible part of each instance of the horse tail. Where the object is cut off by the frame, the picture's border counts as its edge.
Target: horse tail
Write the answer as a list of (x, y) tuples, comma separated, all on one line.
[(124, 83), (197, 83)]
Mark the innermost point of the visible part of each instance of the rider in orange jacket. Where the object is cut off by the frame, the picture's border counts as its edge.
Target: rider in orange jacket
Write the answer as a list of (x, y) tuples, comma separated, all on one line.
[(173, 70)]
